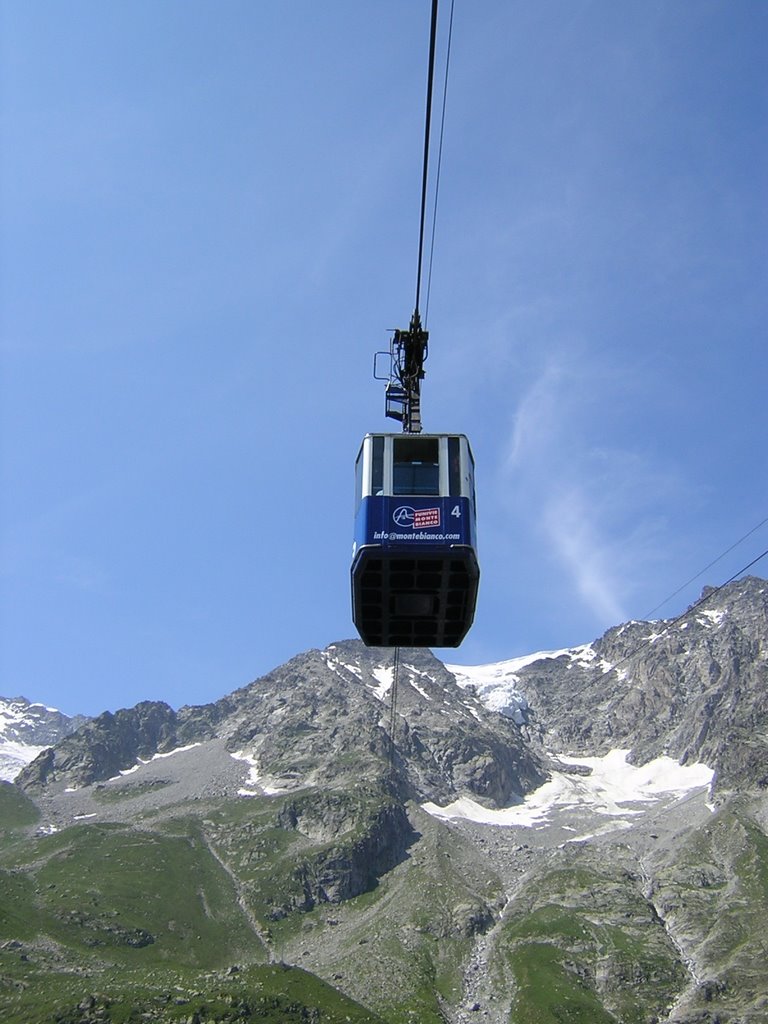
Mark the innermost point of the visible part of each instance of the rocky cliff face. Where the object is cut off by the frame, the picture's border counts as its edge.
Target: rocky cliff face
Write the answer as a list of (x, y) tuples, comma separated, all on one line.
[(322, 719), (104, 746), (695, 688)]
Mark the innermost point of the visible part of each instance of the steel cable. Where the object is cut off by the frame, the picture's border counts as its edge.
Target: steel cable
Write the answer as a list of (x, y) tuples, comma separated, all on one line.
[(427, 125)]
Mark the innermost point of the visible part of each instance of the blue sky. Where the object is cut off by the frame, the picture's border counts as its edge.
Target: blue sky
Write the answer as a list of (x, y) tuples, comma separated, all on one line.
[(209, 224)]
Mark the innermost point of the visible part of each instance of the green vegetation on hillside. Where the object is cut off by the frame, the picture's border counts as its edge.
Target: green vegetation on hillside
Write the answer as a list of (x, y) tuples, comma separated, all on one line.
[(186, 915), (585, 947), (118, 924), (274, 994), (17, 811)]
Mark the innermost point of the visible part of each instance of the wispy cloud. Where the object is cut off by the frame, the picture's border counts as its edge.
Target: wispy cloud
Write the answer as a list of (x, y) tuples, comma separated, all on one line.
[(537, 421), (585, 549), (585, 486)]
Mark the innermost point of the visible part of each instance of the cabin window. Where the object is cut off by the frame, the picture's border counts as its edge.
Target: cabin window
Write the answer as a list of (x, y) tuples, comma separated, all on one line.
[(416, 466), (454, 467), (471, 481), (377, 465), (359, 480)]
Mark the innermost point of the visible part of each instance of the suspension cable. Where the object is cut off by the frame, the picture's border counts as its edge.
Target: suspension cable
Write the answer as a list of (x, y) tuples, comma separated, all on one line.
[(714, 561), (439, 164), (427, 125), (393, 711), (684, 615)]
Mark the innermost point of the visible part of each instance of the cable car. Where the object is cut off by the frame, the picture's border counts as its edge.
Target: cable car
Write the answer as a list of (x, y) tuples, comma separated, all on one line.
[(414, 569), (414, 564)]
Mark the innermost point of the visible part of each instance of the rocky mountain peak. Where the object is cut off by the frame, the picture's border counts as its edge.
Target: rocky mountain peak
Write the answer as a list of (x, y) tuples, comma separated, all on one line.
[(322, 719), (694, 688)]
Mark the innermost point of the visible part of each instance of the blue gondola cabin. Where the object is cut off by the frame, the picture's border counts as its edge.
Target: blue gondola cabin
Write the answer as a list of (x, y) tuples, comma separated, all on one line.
[(414, 565)]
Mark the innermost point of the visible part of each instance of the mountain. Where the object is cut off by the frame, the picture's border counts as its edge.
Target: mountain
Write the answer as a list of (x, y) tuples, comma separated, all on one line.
[(693, 689), (578, 835), (26, 729), (319, 719)]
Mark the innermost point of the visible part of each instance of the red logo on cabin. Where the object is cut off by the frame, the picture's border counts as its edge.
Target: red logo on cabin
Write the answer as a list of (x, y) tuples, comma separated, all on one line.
[(425, 517)]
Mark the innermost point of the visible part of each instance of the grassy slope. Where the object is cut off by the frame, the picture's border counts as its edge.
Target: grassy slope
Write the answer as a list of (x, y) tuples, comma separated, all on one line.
[(275, 993), (715, 896), (153, 916), (585, 946), (16, 812), (398, 948), (144, 922), (120, 910)]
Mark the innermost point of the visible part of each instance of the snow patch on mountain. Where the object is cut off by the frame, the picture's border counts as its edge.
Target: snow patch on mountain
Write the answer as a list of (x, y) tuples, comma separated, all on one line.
[(256, 784), (712, 617), (383, 674), (26, 729), (14, 756), (334, 664), (496, 684), (420, 690), (141, 762), (384, 677), (613, 788)]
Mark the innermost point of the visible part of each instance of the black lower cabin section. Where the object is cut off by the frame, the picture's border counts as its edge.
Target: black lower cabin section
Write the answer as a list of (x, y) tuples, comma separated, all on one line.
[(402, 600)]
